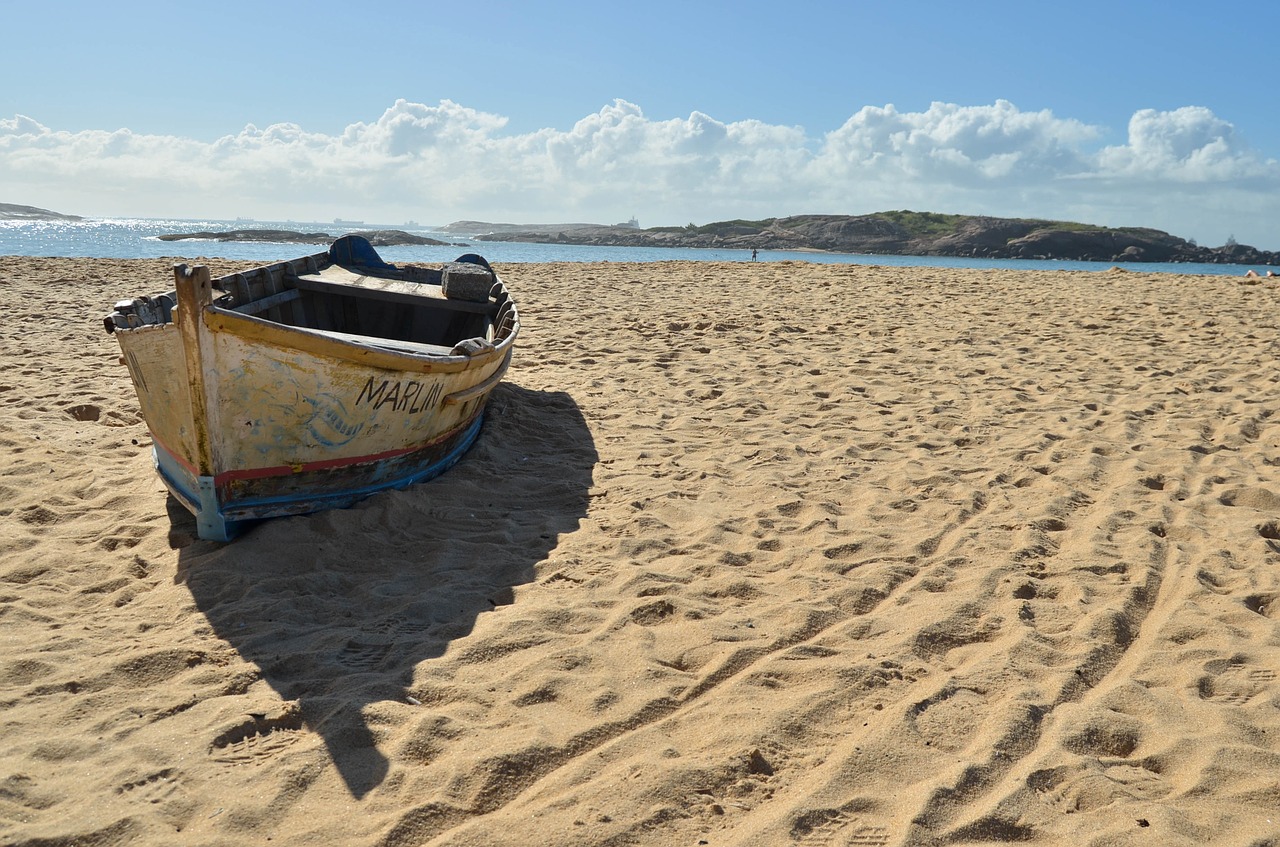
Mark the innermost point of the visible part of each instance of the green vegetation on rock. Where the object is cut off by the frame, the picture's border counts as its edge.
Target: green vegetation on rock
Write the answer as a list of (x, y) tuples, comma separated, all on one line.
[(924, 224)]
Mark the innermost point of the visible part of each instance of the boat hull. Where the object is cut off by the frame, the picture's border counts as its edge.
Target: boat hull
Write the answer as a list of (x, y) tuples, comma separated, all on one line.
[(226, 504), (254, 419)]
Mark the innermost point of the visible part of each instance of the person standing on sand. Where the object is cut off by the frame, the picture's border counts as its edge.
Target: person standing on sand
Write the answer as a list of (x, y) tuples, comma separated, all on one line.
[(754, 253)]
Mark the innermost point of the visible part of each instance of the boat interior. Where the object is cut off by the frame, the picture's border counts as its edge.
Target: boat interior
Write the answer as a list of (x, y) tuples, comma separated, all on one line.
[(407, 308), (354, 306)]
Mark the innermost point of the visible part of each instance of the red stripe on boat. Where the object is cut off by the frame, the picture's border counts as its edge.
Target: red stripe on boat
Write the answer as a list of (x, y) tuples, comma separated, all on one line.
[(289, 470)]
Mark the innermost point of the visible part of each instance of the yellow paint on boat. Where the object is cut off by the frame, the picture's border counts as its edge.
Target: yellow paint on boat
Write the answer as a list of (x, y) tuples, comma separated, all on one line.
[(303, 369)]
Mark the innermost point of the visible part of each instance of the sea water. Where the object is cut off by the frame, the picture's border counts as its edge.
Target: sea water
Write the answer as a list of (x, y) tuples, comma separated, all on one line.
[(138, 238)]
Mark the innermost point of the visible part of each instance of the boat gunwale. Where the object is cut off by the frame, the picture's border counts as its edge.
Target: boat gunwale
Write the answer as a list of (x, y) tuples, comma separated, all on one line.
[(267, 331)]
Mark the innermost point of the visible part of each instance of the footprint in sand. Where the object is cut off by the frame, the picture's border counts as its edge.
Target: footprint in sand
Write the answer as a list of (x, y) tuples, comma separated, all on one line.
[(1233, 682), (790, 510), (38, 516), (949, 719), (85, 412), (259, 738), (1263, 604), (162, 791), (358, 654), (163, 787), (126, 537), (814, 827), (403, 625), (651, 614), (1092, 785), (968, 626), (1259, 499), (1104, 738), (1138, 781), (153, 788)]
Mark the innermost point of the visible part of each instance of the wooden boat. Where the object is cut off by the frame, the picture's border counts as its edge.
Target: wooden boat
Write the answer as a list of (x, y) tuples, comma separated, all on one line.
[(312, 383)]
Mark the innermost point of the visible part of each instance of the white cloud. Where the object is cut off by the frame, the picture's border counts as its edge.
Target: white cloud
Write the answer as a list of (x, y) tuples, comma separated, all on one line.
[(21, 125), (619, 157), (955, 144), (1190, 144), (1185, 170)]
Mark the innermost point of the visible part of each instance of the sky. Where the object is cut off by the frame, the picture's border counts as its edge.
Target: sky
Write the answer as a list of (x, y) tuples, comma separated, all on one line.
[(1119, 113)]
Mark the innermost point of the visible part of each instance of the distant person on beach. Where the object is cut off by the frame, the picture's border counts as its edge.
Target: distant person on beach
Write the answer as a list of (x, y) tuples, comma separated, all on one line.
[(754, 253)]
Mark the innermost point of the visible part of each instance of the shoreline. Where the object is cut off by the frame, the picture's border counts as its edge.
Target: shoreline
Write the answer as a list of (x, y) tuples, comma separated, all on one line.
[(946, 264)]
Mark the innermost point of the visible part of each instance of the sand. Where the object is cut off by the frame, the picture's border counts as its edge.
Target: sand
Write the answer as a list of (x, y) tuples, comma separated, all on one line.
[(747, 554)]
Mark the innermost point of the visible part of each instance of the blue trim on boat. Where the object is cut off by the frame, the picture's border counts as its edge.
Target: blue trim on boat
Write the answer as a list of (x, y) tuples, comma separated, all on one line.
[(176, 478), (223, 522), (333, 499)]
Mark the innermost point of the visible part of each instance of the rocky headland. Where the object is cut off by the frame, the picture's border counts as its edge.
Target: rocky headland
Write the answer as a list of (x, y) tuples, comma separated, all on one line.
[(901, 233), (378, 238), (14, 212)]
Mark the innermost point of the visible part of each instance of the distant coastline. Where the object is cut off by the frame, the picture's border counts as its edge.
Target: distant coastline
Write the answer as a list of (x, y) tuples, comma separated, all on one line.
[(378, 238), (14, 212), (901, 233), (895, 233)]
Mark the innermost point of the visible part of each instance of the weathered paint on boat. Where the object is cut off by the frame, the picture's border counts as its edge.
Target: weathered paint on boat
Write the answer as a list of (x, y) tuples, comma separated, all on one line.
[(269, 414)]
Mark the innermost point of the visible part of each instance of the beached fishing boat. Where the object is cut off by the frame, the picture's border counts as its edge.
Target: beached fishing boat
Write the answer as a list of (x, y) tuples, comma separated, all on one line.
[(312, 383)]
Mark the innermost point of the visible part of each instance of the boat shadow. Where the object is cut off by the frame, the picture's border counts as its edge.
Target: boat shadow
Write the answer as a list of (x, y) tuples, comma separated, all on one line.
[(339, 609)]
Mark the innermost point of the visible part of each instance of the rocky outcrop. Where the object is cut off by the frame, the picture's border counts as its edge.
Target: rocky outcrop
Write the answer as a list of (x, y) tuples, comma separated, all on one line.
[(377, 237), (400, 238), (981, 236), (906, 234), (254, 235), (1131, 245), (12, 212)]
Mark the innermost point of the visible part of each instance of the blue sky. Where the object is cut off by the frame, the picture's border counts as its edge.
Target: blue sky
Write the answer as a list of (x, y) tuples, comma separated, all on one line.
[(1119, 113)]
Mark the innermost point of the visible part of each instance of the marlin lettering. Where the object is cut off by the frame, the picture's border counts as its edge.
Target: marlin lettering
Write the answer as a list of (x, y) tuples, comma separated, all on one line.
[(411, 396)]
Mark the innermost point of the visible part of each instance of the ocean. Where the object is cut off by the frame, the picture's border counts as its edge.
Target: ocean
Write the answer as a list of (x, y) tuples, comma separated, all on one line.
[(136, 238)]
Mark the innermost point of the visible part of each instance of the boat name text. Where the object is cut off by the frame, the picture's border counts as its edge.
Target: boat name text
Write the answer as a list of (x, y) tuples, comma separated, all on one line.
[(403, 396)]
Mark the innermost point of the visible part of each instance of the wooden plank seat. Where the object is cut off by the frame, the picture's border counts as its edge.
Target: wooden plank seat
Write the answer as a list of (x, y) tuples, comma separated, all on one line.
[(337, 280), (254, 307)]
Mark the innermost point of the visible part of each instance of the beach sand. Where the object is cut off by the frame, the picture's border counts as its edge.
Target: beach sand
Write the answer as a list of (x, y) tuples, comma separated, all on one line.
[(747, 554)]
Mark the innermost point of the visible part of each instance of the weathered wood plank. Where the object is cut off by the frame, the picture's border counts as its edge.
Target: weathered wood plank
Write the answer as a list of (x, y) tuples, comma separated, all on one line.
[(258, 306), (340, 281)]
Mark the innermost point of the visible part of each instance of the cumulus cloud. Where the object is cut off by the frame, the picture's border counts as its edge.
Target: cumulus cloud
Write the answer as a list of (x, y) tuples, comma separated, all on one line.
[(619, 155), (955, 144), (1190, 144), (447, 161)]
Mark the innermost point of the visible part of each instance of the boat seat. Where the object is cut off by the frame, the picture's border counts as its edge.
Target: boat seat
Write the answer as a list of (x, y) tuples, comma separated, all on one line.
[(254, 307), (344, 282)]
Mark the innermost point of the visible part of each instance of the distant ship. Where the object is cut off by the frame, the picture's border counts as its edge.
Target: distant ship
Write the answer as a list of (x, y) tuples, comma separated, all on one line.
[(341, 222)]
